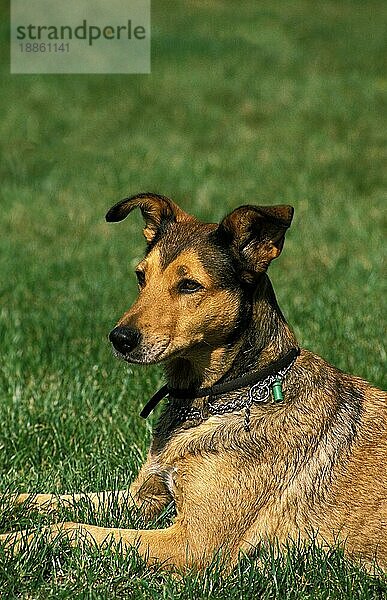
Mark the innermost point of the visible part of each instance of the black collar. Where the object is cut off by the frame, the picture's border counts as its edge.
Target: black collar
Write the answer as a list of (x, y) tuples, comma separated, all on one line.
[(222, 388)]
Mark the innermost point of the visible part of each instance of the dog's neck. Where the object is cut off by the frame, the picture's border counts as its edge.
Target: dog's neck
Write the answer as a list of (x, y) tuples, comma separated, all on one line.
[(266, 338)]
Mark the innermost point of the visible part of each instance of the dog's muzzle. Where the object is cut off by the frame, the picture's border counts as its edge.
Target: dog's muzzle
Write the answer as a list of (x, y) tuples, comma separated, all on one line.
[(125, 339)]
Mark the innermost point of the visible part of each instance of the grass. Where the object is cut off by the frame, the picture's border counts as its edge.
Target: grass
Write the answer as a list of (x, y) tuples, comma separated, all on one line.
[(280, 103)]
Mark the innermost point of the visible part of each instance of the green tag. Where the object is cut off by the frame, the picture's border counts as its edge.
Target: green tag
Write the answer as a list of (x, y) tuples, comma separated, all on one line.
[(277, 391)]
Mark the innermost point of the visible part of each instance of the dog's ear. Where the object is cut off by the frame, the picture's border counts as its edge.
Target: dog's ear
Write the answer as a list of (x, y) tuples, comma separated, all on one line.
[(256, 235), (157, 211)]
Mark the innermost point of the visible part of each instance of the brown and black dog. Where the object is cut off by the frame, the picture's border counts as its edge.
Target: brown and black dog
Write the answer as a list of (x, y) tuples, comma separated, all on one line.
[(258, 441)]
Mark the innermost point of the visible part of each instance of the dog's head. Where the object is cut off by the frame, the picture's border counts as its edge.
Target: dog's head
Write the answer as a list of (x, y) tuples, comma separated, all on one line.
[(196, 278)]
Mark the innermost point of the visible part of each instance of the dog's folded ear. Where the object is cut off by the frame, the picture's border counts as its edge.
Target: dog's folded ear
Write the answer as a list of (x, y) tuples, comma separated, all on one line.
[(255, 234), (157, 211)]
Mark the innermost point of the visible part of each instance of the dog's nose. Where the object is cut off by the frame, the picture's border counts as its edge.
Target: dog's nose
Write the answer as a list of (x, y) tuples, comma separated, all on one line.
[(124, 339)]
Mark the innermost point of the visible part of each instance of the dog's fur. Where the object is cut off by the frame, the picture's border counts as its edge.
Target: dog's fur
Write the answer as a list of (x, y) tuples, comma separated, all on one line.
[(315, 462)]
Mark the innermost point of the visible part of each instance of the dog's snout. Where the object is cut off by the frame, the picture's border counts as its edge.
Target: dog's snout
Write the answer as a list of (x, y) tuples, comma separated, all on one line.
[(124, 339)]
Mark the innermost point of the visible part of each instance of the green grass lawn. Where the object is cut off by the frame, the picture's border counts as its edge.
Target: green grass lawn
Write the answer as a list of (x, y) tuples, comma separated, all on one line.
[(269, 102)]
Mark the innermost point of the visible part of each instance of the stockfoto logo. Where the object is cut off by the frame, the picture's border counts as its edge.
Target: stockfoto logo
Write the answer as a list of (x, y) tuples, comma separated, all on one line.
[(49, 36)]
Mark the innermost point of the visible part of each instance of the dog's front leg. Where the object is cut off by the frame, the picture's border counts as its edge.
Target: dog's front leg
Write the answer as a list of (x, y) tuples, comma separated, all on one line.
[(168, 546), (47, 503), (147, 493)]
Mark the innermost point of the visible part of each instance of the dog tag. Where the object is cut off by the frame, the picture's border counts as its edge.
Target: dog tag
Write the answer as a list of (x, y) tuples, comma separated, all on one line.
[(277, 391)]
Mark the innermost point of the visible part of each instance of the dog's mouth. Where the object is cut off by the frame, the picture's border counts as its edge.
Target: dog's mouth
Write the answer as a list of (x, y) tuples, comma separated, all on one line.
[(145, 354), (134, 347)]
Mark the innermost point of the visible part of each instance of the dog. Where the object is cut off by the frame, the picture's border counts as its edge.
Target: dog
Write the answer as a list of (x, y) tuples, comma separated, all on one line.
[(258, 441)]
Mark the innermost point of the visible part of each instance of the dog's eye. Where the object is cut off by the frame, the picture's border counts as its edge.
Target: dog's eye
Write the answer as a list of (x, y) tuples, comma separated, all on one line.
[(140, 278), (189, 286)]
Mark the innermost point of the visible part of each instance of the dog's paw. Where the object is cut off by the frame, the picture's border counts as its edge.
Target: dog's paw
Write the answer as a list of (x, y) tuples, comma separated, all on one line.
[(44, 503), (18, 541), (15, 542)]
